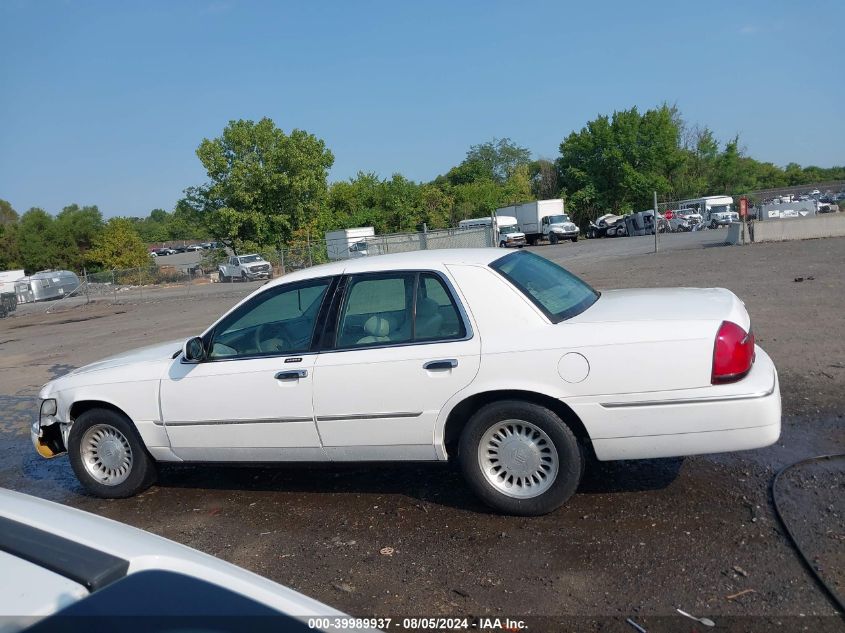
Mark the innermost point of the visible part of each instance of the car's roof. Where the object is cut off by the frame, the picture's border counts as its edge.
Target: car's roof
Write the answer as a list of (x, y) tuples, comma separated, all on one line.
[(413, 260)]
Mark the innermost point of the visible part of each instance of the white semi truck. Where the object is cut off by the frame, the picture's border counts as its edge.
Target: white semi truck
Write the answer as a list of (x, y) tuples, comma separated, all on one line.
[(543, 220)]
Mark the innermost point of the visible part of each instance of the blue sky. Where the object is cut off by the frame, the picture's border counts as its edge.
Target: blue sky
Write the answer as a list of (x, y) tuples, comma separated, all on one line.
[(105, 102)]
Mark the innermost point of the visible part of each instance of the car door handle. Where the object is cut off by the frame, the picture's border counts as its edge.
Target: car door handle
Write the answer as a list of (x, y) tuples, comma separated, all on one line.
[(447, 363), (294, 374)]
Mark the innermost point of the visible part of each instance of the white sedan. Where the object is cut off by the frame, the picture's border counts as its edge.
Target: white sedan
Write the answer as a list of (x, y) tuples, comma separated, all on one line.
[(508, 363)]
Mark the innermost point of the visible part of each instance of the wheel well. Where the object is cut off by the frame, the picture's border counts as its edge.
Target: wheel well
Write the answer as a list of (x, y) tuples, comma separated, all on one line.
[(461, 414), (78, 408)]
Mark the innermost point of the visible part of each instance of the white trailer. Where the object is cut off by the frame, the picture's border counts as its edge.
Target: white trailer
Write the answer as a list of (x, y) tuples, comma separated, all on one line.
[(543, 219), (348, 243)]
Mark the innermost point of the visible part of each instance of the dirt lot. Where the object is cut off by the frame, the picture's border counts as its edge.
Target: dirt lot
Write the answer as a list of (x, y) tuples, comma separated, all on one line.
[(641, 538)]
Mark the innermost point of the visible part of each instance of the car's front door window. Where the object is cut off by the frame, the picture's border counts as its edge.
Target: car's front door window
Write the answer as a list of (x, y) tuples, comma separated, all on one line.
[(278, 321)]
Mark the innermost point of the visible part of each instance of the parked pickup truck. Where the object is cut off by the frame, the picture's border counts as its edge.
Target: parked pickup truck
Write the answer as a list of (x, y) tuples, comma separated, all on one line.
[(245, 268)]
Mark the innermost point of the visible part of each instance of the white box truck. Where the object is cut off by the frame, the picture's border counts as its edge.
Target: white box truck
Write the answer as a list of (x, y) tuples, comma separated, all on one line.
[(348, 243), (508, 233), (543, 220)]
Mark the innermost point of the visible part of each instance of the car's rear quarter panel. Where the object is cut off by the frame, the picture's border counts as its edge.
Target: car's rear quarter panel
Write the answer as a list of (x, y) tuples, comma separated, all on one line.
[(629, 361)]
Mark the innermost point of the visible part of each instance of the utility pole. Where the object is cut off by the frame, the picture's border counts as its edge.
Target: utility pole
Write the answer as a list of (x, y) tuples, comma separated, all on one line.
[(308, 238), (87, 296), (655, 221)]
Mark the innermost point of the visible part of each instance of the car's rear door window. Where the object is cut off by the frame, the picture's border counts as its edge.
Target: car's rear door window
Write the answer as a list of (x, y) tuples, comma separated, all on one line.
[(377, 310), (397, 308)]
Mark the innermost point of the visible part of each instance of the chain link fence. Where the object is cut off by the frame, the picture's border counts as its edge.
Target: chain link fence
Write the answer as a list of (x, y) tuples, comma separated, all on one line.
[(720, 211), (159, 280), (296, 257)]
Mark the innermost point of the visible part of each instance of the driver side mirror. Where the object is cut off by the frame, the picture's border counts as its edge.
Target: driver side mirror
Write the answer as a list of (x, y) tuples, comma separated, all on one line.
[(193, 351)]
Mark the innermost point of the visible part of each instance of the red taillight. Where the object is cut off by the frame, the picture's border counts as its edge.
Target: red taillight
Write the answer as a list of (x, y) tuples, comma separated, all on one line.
[(733, 353)]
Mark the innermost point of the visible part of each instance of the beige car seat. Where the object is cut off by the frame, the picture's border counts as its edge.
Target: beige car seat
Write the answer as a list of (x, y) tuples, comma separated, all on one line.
[(429, 320), (377, 329)]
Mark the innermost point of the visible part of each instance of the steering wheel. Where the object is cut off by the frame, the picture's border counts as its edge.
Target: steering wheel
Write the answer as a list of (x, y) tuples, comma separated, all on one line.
[(268, 345)]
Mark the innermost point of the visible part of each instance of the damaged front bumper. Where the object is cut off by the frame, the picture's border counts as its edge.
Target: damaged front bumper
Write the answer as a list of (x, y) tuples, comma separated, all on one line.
[(48, 433)]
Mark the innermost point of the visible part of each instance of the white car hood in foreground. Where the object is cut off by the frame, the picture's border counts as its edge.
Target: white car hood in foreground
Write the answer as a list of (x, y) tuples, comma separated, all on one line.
[(666, 304), (141, 549)]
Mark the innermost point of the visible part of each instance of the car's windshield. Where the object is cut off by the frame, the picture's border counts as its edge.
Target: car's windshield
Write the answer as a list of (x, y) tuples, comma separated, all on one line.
[(248, 259), (558, 219), (509, 229), (720, 208), (556, 291)]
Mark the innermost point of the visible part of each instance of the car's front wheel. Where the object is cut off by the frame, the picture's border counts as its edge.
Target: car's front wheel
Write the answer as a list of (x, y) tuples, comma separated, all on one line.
[(520, 458), (108, 456), (553, 238)]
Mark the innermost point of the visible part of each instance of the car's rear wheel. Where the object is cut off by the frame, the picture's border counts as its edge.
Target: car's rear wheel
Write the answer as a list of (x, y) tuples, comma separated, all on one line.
[(520, 458), (108, 456)]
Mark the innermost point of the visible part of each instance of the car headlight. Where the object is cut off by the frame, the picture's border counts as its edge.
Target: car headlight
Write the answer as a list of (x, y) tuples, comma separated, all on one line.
[(48, 407)]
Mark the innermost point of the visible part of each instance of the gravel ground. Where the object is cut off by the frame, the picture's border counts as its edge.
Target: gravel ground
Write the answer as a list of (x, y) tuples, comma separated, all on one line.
[(640, 539)]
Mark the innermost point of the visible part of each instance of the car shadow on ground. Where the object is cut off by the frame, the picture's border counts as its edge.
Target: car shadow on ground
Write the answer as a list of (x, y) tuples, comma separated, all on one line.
[(630, 475), (440, 484)]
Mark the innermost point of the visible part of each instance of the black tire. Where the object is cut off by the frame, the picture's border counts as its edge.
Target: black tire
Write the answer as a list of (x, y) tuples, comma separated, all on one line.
[(569, 452), (502, 245), (221, 277), (575, 239), (143, 471), (552, 238)]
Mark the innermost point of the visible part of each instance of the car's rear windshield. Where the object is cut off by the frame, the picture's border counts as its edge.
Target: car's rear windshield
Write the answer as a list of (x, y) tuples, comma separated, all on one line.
[(552, 288)]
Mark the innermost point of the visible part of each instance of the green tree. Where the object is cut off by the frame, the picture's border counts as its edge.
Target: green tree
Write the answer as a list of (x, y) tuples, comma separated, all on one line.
[(36, 243), (118, 246), (9, 254), (74, 231), (544, 179), (7, 214), (263, 184), (614, 163), (498, 158)]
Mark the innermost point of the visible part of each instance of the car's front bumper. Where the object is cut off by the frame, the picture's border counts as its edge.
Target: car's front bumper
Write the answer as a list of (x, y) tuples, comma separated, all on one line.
[(514, 243), (566, 235), (721, 418), (48, 434)]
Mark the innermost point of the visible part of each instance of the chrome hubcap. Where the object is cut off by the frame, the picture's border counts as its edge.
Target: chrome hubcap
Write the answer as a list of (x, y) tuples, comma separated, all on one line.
[(518, 459), (106, 454)]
